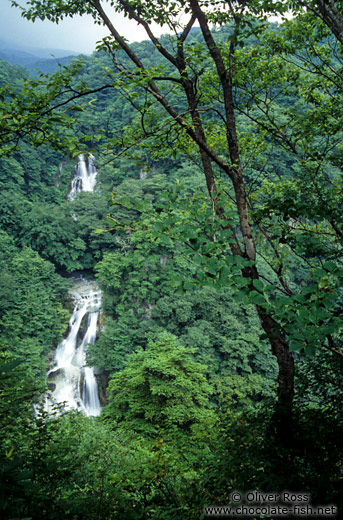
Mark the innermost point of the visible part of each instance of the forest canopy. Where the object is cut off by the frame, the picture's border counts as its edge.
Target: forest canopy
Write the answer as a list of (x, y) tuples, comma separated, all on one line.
[(215, 234)]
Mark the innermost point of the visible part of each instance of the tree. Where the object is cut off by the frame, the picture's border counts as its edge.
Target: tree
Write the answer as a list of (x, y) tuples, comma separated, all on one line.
[(161, 390), (140, 301), (190, 77), (329, 12), (33, 319), (17, 391)]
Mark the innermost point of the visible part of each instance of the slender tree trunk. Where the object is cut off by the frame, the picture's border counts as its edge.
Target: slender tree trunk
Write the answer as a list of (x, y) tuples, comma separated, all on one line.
[(278, 344), (285, 392), (196, 131)]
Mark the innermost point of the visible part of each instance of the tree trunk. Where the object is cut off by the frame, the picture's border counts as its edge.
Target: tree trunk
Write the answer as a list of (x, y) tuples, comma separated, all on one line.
[(232, 168), (285, 392)]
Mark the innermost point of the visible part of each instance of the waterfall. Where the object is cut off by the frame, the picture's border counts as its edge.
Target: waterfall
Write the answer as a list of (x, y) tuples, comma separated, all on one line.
[(84, 176), (143, 174), (70, 381), (72, 384)]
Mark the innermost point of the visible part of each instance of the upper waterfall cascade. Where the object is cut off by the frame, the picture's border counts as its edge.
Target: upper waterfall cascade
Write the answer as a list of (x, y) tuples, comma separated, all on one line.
[(71, 381), (84, 177)]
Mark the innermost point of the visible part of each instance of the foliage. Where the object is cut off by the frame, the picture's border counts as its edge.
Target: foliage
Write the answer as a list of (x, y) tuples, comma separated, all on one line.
[(249, 459), (195, 284), (160, 389), (33, 318)]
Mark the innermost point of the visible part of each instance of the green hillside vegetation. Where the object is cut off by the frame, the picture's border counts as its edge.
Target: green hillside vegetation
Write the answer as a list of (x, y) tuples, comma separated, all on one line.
[(220, 348)]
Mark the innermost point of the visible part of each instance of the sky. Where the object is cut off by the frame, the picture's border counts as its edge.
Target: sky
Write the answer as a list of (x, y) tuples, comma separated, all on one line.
[(78, 34)]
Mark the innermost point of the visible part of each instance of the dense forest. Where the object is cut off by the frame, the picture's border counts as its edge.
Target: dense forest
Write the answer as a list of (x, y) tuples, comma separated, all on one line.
[(214, 232)]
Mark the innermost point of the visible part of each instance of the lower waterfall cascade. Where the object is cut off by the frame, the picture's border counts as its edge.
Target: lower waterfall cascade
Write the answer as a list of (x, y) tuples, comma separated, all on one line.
[(72, 384)]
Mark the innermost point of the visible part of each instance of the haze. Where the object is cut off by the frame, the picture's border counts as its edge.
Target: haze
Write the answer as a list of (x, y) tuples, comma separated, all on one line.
[(78, 34)]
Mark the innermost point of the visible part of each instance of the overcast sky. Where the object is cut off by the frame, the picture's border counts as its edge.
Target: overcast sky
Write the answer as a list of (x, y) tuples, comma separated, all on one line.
[(78, 34)]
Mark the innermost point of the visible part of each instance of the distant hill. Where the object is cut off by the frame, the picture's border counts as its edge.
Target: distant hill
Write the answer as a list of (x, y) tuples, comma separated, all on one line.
[(35, 58), (16, 57), (48, 66)]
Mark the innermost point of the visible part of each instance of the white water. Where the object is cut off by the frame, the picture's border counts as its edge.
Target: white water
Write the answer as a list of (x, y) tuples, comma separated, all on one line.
[(84, 177), (74, 383), (143, 174)]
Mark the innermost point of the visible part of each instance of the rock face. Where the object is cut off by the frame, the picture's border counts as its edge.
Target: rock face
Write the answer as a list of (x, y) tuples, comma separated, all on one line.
[(102, 386)]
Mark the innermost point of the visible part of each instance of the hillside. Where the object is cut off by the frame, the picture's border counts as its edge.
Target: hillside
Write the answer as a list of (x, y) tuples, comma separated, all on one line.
[(34, 58), (197, 181)]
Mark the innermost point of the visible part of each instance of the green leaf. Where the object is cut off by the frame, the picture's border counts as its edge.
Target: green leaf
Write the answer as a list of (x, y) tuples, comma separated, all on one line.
[(259, 285)]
